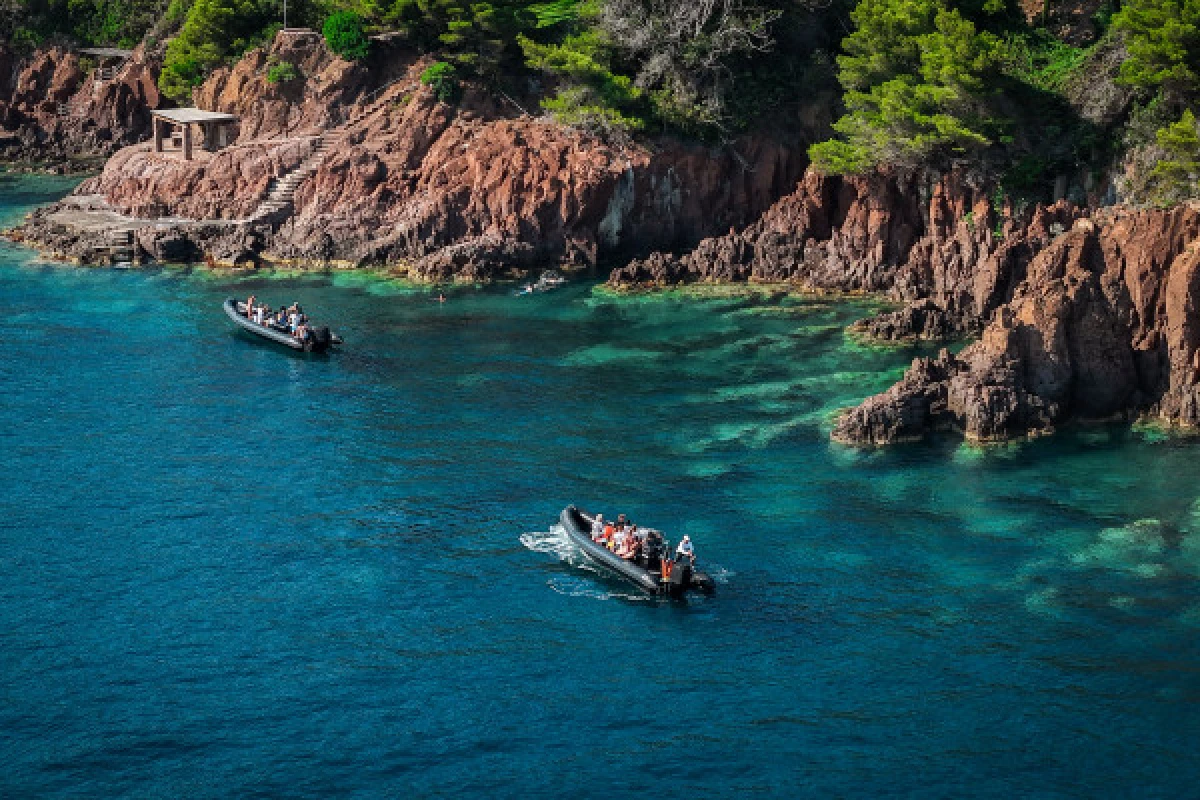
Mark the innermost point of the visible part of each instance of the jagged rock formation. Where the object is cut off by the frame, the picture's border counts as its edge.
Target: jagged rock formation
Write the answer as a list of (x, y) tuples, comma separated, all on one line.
[(1081, 315), (52, 112), (933, 242), (1105, 322)]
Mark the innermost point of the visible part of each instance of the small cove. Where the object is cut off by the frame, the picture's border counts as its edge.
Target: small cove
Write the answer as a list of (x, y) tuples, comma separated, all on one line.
[(231, 570)]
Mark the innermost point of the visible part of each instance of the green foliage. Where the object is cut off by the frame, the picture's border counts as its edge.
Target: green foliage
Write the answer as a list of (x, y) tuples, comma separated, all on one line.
[(345, 33), (592, 95), (479, 37), (442, 77), (911, 70), (282, 72), (555, 12), (213, 32), (1174, 177), (1040, 60), (1163, 40), (28, 23)]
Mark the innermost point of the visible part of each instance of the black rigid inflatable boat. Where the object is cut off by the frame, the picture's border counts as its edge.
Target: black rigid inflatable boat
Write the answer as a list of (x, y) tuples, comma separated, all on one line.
[(646, 571), (318, 341)]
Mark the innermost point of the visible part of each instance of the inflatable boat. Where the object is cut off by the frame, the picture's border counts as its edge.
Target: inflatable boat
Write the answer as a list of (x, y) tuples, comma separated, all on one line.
[(646, 571), (318, 341)]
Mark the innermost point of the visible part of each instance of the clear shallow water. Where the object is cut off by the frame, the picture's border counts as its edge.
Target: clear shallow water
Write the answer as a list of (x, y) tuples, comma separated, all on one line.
[(230, 571)]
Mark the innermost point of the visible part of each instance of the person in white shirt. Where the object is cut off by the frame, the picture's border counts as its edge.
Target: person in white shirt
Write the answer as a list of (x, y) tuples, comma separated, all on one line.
[(685, 549), (598, 528), (619, 539)]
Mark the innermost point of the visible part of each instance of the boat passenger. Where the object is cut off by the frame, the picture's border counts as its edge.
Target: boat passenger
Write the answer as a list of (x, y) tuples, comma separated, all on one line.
[(685, 549), (301, 332), (281, 319), (609, 530), (618, 540), (598, 528), (260, 314), (250, 307), (631, 545), (293, 321)]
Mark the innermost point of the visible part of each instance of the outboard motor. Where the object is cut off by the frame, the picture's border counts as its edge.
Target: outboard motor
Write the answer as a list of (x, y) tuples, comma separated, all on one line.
[(652, 551), (319, 339), (681, 577)]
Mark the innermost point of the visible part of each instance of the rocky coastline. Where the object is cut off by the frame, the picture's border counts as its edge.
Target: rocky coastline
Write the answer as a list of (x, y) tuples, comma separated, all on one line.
[(384, 174), (1078, 310)]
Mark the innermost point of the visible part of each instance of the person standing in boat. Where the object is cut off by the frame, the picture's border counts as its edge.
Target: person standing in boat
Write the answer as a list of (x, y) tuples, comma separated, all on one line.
[(685, 550), (250, 307), (598, 528)]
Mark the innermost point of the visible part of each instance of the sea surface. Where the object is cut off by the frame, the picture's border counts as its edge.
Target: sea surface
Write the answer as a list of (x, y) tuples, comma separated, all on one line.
[(231, 571)]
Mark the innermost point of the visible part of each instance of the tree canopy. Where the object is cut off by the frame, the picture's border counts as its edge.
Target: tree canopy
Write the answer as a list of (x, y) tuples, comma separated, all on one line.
[(911, 70)]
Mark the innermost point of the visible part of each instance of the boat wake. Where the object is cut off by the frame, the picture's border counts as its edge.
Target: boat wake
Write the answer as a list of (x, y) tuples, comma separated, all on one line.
[(555, 542)]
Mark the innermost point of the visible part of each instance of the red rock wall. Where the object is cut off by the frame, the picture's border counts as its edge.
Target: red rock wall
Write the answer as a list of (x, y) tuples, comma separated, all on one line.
[(1103, 323), (104, 115), (473, 190)]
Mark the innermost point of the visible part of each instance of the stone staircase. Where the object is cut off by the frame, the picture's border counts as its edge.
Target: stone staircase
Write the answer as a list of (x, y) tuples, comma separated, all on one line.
[(282, 192), (279, 201), (119, 244)]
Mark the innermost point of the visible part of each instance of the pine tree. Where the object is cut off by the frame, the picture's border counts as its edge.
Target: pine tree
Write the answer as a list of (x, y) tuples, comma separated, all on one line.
[(911, 71)]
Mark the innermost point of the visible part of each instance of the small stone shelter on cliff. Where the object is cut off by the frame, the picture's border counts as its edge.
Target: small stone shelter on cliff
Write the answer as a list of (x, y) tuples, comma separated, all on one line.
[(214, 128)]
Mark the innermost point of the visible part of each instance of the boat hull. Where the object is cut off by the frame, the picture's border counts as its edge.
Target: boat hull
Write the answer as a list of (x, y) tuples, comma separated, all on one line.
[(578, 528), (232, 310)]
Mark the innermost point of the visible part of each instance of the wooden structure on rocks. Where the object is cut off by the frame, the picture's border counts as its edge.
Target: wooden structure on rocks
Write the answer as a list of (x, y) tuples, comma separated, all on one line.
[(214, 127)]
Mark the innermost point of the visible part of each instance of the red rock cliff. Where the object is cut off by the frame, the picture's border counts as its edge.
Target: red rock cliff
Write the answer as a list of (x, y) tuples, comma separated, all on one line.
[(474, 190), (1104, 322), (51, 110)]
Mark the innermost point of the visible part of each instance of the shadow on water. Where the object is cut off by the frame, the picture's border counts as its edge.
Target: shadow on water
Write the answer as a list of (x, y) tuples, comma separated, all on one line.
[(283, 350)]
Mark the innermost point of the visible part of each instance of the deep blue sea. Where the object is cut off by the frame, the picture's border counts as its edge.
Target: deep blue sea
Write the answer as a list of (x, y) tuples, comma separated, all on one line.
[(231, 571)]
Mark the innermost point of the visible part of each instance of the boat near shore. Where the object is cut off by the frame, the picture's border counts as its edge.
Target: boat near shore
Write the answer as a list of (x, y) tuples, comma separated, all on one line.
[(646, 572), (319, 341)]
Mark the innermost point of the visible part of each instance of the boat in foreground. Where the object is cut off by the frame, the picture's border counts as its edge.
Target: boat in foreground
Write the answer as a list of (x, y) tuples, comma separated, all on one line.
[(647, 570), (318, 341)]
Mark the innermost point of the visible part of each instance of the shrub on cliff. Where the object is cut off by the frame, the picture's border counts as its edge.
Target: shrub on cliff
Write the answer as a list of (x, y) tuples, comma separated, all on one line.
[(282, 72), (478, 37), (1163, 41), (592, 96), (629, 63), (346, 35), (443, 79), (912, 71), (1174, 178)]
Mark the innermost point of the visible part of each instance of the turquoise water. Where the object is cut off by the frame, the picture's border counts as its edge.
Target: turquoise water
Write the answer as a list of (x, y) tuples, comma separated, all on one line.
[(231, 571)]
